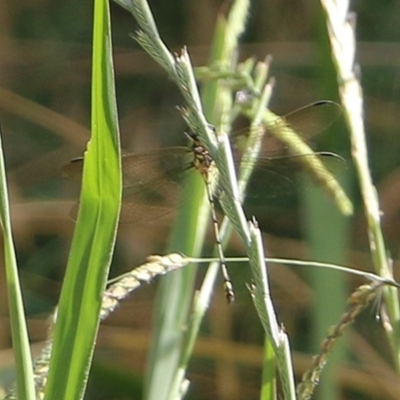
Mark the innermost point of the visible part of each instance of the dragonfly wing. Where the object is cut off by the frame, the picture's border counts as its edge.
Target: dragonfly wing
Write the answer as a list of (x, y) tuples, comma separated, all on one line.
[(307, 121), (154, 168), (151, 182), (283, 133), (277, 176), (133, 212), (292, 133)]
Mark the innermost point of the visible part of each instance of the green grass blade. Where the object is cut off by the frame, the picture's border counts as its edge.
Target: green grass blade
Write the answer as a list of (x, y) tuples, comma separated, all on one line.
[(22, 353), (175, 296), (328, 234), (268, 386), (93, 242)]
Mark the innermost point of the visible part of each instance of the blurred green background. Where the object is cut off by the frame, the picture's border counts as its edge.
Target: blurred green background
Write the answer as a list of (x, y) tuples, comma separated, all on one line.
[(45, 61)]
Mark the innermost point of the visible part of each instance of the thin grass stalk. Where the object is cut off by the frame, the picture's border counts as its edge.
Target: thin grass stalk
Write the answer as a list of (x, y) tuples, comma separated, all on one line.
[(175, 294), (19, 333), (217, 100), (341, 29)]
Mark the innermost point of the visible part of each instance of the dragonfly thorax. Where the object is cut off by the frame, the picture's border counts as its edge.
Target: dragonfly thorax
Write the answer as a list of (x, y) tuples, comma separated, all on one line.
[(202, 159)]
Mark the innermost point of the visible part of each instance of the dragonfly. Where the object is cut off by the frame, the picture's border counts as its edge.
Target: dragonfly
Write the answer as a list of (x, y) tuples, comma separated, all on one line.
[(153, 179)]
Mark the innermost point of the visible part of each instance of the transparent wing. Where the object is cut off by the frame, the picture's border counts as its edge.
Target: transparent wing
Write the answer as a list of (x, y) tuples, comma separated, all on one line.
[(309, 120), (278, 176), (151, 182), (306, 122), (285, 151)]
